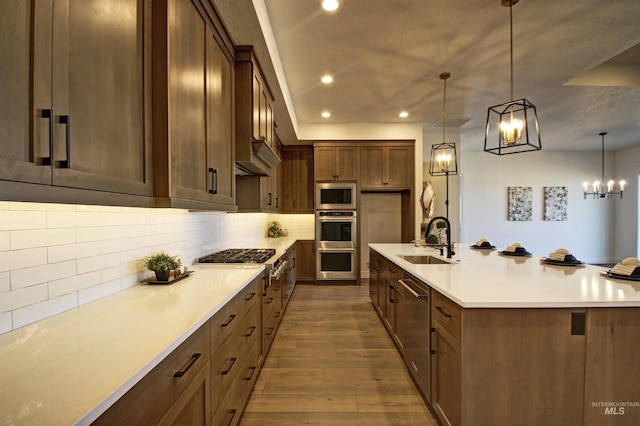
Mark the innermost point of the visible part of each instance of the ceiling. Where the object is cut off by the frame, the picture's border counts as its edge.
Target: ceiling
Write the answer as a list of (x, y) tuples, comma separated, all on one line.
[(577, 61)]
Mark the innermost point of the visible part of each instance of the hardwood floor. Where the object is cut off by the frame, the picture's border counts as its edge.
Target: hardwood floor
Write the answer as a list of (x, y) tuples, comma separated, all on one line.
[(333, 363)]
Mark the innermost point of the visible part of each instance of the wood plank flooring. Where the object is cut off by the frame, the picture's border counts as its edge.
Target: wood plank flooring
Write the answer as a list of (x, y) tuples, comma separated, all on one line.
[(333, 363)]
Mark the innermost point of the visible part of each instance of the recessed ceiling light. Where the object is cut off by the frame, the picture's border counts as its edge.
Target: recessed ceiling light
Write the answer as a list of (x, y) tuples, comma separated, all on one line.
[(326, 114), (326, 79), (330, 5), (404, 114)]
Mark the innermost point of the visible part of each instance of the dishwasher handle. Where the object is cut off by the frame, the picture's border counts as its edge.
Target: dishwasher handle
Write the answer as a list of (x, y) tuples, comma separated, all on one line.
[(414, 293)]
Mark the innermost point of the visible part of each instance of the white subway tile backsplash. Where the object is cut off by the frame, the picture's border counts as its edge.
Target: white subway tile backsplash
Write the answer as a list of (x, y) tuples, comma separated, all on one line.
[(73, 284), (4, 282), (73, 251), (38, 311), (41, 274), (95, 263), (41, 238), (99, 291), (19, 259), (54, 257), (11, 220), (16, 299), (5, 322), (57, 219), (5, 240)]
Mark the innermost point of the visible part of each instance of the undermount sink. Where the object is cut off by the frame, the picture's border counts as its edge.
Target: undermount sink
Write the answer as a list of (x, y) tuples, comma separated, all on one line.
[(424, 260)]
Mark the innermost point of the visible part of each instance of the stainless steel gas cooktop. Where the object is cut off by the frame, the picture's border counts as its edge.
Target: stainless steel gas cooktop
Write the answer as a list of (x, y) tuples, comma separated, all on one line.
[(238, 256)]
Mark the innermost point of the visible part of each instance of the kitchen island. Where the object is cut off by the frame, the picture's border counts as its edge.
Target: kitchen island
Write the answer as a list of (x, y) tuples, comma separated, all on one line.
[(517, 341)]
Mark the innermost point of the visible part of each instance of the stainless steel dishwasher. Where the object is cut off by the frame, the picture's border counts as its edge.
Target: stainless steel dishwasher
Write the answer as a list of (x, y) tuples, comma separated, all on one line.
[(417, 332)]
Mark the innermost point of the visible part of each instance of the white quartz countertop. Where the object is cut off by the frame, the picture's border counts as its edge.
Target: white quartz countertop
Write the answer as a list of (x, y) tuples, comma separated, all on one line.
[(71, 367), (488, 279)]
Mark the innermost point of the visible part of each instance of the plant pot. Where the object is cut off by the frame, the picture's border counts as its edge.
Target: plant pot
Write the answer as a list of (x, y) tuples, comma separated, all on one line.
[(162, 275)]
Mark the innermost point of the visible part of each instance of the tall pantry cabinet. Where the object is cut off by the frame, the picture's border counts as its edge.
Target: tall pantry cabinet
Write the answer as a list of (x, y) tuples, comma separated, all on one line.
[(75, 110)]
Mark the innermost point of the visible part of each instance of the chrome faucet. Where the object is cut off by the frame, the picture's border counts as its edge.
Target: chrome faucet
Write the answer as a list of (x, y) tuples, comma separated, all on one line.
[(450, 251)]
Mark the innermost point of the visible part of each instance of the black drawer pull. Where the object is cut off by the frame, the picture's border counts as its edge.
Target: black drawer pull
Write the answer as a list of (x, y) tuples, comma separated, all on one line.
[(229, 320), (232, 414), (250, 296), (231, 362), (269, 300), (270, 330), (252, 371), (250, 332), (187, 366), (214, 181), (443, 312)]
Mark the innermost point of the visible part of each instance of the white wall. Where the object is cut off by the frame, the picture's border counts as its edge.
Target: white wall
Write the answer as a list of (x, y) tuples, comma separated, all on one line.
[(56, 257), (590, 231), (627, 240)]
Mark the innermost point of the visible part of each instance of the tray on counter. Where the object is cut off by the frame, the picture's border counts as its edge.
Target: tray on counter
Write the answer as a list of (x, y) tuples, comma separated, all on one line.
[(476, 247), (171, 280), (515, 254)]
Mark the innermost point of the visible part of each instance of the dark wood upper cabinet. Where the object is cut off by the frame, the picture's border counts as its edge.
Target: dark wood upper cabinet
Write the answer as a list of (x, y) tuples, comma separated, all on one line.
[(76, 101), (297, 179), (386, 166), (335, 161), (193, 113)]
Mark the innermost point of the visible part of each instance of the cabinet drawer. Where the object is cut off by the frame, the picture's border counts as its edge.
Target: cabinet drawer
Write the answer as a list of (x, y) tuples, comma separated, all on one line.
[(226, 319), (232, 406), (226, 361), (446, 313), (151, 398)]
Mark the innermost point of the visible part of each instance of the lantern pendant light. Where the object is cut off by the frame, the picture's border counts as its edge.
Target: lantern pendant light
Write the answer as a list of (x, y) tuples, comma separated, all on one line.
[(512, 127), (598, 186), (444, 160)]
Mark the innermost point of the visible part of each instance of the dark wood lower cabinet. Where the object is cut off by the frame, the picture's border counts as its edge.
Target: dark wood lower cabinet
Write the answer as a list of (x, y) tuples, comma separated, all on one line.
[(305, 260)]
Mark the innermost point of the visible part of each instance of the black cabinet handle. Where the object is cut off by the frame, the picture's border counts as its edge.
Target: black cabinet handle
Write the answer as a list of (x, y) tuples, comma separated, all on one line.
[(391, 294), (249, 333), (270, 199), (277, 202), (214, 181), (252, 371), (270, 330), (47, 161), (187, 366), (228, 321), (231, 414), (269, 300), (443, 312), (66, 120), (250, 296), (231, 362)]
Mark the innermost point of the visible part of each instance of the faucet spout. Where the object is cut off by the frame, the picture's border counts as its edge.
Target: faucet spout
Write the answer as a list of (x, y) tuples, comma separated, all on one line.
[(450, 251)]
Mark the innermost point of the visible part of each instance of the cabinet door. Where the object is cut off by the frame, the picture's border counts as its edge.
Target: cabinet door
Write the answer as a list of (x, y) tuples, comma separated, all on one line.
[(346, 163), (24, 143), (325, 163), (612, 354), (445, 375), (219, 82), (194, 405), (305, 260), (399, 167), (372, 167), (100, 77), (297, 180), (256, 98)]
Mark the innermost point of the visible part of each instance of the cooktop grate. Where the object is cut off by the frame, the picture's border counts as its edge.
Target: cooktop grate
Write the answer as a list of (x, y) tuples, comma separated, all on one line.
[(238, 256)]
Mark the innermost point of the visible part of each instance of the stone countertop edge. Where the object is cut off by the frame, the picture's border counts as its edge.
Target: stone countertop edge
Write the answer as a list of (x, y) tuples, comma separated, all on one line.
[(488, 279)]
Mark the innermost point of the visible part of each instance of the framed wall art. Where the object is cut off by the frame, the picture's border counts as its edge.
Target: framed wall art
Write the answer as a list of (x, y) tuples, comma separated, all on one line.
[(520, 203), (555, 203)]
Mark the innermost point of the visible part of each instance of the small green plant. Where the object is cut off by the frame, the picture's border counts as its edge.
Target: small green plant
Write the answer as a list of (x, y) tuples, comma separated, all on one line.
[(162, 261), (441, 224), (432, 239)]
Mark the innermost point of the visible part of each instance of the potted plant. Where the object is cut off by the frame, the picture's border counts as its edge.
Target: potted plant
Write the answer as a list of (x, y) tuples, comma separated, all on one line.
[(162, 264)]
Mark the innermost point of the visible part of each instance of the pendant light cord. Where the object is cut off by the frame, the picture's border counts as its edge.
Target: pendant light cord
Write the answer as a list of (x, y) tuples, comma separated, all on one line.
[(511, 46)]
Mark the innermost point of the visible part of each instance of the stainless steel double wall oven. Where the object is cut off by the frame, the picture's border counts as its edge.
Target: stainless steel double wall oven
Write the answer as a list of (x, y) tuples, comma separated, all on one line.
[(336, 231)]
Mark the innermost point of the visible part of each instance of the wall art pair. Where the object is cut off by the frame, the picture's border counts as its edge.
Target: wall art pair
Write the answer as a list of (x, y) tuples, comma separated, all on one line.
[(520, 203)]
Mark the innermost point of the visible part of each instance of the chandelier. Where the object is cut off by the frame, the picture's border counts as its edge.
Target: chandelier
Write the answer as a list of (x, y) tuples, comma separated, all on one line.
[(598, 186), (509, 124), (444, 161)]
